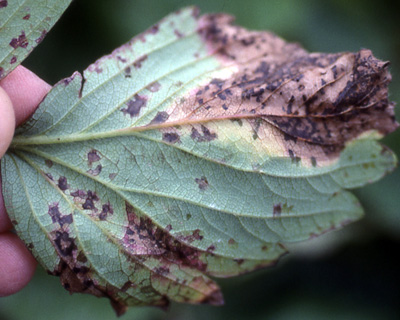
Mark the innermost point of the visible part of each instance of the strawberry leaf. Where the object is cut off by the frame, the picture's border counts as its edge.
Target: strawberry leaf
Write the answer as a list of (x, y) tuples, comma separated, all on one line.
[(197, 149)]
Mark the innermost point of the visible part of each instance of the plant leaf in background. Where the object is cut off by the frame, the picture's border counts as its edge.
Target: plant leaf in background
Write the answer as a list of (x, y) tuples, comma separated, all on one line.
[(23, 25), (195, 150)]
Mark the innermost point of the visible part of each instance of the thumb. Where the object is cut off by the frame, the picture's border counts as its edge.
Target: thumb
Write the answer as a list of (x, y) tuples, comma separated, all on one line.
[(7, 122)]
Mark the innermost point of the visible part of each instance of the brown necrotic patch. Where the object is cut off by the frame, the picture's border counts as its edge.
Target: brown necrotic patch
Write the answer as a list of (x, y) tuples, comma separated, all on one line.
[(321, 100), (142, 237), (96, 171)]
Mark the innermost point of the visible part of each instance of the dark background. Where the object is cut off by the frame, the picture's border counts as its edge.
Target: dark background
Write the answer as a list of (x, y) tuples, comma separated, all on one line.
[(348, 274)]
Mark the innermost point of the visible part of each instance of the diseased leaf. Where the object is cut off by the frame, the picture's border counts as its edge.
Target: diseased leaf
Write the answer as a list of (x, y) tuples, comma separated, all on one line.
[(23, 25), (197, 149)]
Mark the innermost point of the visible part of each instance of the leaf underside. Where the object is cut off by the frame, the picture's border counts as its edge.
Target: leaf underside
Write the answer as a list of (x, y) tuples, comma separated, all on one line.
[(23, 25), (197, 149)]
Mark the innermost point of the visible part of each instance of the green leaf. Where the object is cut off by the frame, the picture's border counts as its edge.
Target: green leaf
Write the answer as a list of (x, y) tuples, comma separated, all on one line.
[(197, 149), (23, 25)]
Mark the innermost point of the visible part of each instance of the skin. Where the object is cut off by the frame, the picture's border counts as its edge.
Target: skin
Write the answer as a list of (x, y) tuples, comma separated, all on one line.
[(20, 93)]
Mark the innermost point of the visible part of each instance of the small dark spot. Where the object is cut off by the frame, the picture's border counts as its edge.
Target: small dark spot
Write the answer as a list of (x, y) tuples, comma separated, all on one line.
[(122, 59), (96, 171), (277, 210), (21, 41), (224, 107), (105, 211), (14, 222), (206, 136), (196, 235), (93, 156), (13, 60), (126, 286), (154, 86), (301, 87), (90, 199), (313, 161), (323, 82), (30, 246), (264, 248), (188, 216), (62, 183), (239, 261), (48, 163), (134, 106), (3, 3), (81, 257), (48, 175), (200, 101), (221, 95), (334, 70), (295, 159), (171, 137), (127, 71), (42, 35), (211, 248), (160, 117), (112, 176), (202, 182), (168, 228), (154, 29), (138, 63), (231, 241)]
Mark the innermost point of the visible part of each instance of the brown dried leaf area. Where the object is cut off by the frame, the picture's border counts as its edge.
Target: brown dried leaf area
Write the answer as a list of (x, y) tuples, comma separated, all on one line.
[(312, 104), (148, 249)]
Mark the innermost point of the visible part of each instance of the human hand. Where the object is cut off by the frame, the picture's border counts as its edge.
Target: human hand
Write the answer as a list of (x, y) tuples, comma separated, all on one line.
[(20, 93)]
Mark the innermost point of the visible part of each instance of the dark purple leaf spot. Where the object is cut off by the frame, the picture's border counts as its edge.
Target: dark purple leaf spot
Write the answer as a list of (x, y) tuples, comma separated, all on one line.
[(93, 156), (21, 41), (168, 228), (57, 217), (79, 193), (42, 35), (27, 17), (64, 244), (171, 137), (13, 60), (202, 182), (105, 211), (206, 134), (62, 183), (277, 210), (138, 63), (134, 106), (3, 3), (91, 198), (160, 117)]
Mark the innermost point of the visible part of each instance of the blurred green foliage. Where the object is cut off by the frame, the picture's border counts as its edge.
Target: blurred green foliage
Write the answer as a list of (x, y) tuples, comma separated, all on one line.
[(350, 274)]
